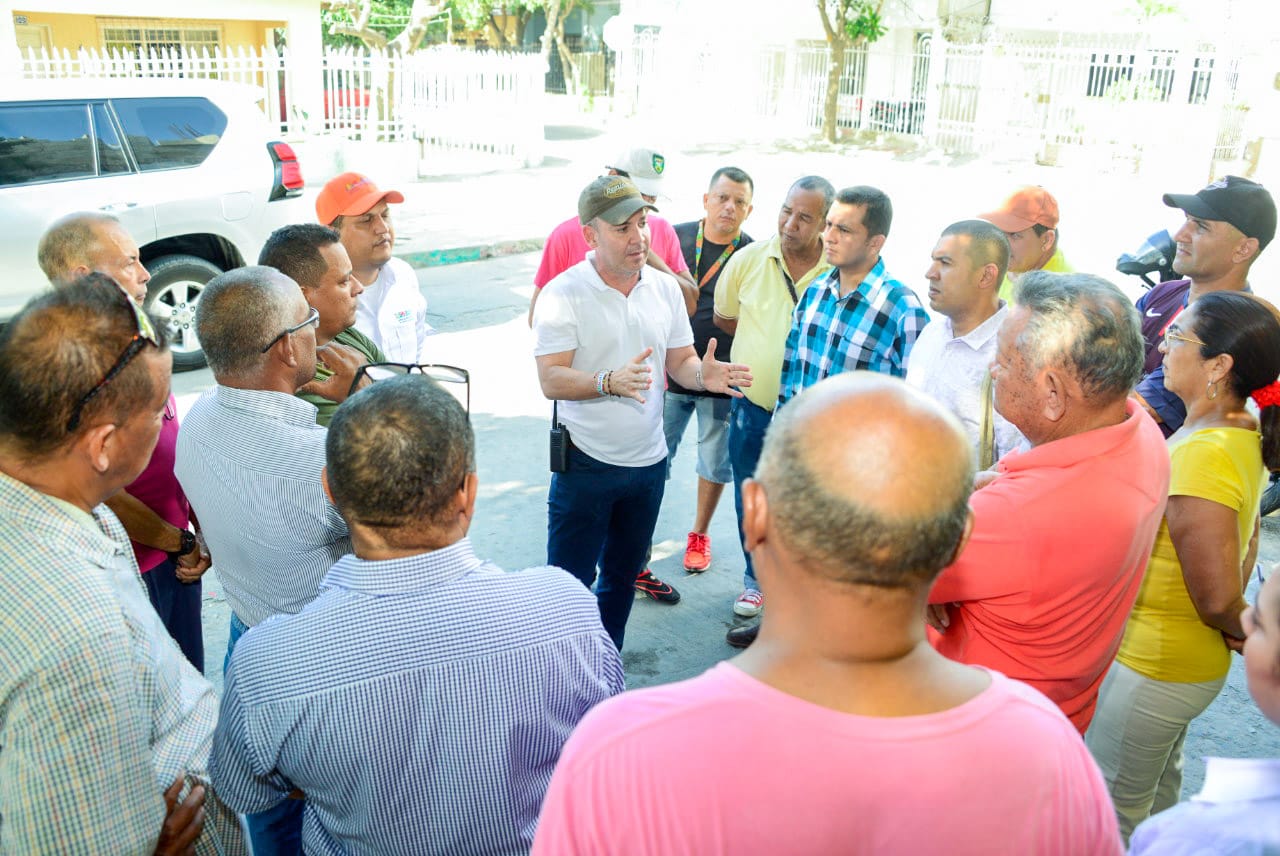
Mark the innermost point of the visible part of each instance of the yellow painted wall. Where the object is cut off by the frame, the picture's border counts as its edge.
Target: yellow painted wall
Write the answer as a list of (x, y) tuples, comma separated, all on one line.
[(72, 32)]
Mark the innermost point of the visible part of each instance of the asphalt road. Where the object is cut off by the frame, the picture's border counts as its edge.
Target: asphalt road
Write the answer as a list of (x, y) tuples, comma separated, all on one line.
[(479, 311)]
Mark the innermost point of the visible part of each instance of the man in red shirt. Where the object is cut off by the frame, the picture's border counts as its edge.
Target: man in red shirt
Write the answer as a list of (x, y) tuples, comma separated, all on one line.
[(1062, 533)]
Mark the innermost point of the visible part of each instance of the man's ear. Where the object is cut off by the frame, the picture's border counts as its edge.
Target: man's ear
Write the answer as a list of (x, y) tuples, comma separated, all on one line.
[(755, 514), (964, 537), (467, 495), (1247, 250), (877, 243), (990, 277), (98, 444), (1053, 387), (589, 235), (1049, 240)]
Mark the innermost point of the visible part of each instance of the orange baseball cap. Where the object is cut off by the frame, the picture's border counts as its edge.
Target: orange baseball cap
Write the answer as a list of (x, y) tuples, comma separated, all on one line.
[(351, 193), (1026, 207)]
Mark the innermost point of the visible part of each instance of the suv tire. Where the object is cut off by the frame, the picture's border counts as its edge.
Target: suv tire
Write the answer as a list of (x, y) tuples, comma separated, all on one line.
[(172, 296)]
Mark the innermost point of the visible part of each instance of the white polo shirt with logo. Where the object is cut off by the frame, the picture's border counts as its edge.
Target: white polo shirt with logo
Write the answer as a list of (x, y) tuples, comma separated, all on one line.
[(578, 312), (392, 312)]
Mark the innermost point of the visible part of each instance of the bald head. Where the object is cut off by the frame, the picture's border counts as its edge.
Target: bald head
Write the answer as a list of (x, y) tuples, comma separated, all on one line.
[(239, 312), (867, 481)]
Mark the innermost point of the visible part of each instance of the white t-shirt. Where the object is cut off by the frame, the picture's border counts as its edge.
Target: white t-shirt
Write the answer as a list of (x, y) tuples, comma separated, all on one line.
[(578, 312), (393, 313), (951, 370)]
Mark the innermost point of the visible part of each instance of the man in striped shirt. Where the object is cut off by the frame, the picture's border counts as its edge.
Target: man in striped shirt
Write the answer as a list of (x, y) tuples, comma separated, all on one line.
[(420, 702), (100, 713), (249, 459)]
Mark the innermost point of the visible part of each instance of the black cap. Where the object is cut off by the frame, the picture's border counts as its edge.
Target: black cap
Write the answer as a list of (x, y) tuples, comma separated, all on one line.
[(1244, 204)]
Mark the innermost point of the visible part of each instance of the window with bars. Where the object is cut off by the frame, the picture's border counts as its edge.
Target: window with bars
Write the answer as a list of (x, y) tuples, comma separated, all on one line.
[(145, 37)]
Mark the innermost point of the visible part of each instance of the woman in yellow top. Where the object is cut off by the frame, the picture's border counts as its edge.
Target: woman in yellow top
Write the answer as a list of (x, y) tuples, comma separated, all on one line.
[(1177, 646)]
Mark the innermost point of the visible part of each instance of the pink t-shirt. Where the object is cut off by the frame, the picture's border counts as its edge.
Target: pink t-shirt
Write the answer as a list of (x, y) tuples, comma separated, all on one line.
[(157, 488), (1060, 542), (724, 763), (566, 247)]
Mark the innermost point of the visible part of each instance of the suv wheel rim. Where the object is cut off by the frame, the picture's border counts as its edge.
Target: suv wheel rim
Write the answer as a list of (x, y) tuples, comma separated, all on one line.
[(175, 306)]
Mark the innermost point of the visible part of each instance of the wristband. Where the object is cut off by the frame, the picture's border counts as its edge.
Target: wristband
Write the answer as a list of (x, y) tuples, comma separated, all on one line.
[(698, 378), (600, 383)]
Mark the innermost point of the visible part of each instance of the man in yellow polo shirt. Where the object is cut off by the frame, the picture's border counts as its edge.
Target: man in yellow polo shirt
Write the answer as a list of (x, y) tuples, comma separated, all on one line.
[(754, 301), (1029, 219)]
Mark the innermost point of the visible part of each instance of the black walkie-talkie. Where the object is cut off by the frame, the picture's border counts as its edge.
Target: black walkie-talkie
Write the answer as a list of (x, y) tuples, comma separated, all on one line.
[(559, 443)]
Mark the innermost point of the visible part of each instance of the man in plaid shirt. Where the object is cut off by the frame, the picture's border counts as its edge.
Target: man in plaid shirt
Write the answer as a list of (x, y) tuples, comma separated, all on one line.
[(858, 317), (104, 724)]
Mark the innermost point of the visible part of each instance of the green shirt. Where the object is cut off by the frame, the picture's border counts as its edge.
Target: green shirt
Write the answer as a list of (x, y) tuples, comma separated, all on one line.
[(1056, 264), (365, 346)]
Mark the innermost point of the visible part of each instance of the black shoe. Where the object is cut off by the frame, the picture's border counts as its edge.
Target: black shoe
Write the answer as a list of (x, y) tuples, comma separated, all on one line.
[(743, 635), (655, 588)]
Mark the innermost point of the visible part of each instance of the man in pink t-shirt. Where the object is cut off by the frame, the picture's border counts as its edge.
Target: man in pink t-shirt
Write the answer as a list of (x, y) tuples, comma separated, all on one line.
[(567, 245), (861, 738), (1062, 535)]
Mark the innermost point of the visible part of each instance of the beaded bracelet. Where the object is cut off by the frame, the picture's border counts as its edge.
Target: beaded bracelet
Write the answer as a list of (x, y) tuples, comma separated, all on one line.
[(608, 383)]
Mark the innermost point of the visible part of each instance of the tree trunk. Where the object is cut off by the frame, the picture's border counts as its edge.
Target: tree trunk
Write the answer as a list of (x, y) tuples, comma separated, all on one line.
[(496, 34), (421, 14), (831, 104)]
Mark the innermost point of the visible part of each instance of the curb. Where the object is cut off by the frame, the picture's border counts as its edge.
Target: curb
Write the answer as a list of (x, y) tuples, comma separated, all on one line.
[(459, 255)]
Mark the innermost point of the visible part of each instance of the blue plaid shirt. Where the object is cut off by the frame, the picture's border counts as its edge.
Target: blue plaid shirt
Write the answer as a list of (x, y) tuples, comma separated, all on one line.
[(871, 328)]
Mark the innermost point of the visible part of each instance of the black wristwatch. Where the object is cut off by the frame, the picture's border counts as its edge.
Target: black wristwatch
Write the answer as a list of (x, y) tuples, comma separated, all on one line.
[(188, 544)]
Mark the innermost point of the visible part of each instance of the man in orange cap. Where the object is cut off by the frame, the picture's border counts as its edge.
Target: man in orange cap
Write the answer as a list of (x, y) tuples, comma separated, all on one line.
[(1029, 218), (392, 310)]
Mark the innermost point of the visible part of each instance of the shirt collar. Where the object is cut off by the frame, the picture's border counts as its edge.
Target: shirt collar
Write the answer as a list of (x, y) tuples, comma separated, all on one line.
[(50, 519), (408, 574), (1069, 451), (1240, 780), (980, 335), (865, 290), (597, 282), (268, 403)]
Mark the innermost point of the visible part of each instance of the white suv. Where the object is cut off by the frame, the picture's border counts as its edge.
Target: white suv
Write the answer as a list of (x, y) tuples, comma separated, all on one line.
[(189, 167)]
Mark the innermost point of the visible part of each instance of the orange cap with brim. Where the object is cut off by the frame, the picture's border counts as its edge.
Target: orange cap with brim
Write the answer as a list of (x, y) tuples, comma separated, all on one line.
[(1025, 208), (349, 194)]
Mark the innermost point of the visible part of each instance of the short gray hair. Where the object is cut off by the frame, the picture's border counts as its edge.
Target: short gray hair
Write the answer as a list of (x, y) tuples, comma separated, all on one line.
[(1082, 323), (239, 312), (70, 242), (409, 426), (816, 184)]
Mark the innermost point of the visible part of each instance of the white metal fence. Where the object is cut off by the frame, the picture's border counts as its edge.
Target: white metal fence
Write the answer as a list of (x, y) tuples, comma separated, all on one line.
[(1120, 100), (1113, 100), (445, 98)]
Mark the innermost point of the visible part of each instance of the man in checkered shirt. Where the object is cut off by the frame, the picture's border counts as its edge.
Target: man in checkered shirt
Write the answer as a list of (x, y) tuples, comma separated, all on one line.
[(103, 721), (858, 317)]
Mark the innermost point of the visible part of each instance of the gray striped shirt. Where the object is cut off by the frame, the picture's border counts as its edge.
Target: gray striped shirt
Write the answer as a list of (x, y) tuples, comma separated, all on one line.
[(419, 703), (249, 461)]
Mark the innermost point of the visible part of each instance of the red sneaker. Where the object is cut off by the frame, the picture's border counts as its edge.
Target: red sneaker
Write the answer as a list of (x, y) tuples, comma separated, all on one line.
[(697, 553)]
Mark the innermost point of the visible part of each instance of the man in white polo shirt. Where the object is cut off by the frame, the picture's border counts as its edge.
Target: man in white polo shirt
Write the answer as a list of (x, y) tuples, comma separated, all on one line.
[(609, 327)]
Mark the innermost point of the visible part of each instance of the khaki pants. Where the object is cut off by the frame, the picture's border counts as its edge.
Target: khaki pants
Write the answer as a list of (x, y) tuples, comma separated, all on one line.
[(1136, 737)]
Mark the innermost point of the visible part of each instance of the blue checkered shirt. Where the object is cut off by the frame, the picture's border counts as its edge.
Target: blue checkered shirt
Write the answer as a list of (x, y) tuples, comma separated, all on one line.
[(872, 328), (419, 703)]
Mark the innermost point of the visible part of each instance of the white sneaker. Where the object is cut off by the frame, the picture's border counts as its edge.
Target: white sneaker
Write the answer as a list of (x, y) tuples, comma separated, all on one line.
[(749, 603)]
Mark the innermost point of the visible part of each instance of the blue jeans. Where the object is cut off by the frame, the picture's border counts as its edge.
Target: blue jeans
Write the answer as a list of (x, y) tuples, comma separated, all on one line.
[(601, 514), (747, 424), (278, 830)]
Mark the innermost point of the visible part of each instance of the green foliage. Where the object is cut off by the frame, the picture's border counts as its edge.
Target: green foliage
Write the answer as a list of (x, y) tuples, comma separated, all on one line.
[(862, 21), (388, 17), (473, 13)]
